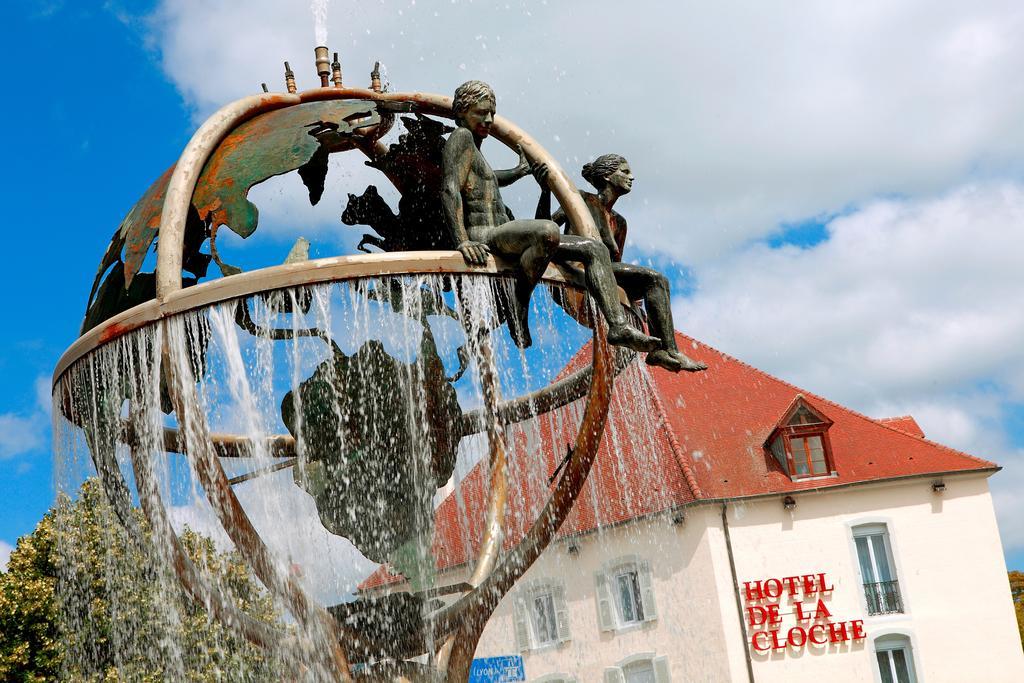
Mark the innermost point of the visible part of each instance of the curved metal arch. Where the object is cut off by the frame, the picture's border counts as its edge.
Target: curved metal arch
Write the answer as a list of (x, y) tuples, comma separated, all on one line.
[(206, 463), (234, 519), (462, 626), (183, 180), (467, 617), (318, 271), (544, 400)]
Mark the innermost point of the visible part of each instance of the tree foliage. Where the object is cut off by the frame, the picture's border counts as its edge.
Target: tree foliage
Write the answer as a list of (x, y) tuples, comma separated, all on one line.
[(29, 649), (83, 600), (1017, 592)]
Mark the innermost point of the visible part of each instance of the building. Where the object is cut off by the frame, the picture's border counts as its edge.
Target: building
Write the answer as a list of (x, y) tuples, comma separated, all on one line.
[(757, 533)]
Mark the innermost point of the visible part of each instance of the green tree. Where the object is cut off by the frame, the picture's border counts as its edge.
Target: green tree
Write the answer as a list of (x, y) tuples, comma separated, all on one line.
[(29, 649), (81, 600), (1017, 592)]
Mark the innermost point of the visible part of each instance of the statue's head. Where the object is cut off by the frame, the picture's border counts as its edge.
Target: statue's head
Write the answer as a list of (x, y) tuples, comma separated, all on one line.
[(609, 169), (474, 106)]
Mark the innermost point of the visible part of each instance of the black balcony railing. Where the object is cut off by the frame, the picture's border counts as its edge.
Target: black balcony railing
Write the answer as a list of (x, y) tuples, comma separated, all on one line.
[(883, 597)]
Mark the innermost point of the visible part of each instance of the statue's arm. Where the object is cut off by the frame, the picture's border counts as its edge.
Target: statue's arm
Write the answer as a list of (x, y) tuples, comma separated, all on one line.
[(456, 162), (543, 211), (620, 240), (608, 238), (559, 216), (510, 175), (540, 173)]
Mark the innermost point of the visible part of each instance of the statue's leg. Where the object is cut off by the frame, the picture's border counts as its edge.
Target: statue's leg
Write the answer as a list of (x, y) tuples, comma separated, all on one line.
[(532, 243), (654, 289), (597, 268)]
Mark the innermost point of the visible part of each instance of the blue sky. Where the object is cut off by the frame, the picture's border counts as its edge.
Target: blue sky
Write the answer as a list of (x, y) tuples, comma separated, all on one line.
[(869, 185), (79, 154)]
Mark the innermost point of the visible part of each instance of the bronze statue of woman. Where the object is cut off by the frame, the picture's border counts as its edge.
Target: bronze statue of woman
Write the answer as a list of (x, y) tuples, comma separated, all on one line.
[(479, 222), (612, 177)]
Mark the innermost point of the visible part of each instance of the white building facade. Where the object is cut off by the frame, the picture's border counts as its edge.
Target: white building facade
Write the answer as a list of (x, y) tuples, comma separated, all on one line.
[(655, 600), (789, 540)]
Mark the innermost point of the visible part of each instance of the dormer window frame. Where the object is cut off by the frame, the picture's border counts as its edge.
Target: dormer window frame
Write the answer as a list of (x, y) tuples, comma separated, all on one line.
[(796, 438)]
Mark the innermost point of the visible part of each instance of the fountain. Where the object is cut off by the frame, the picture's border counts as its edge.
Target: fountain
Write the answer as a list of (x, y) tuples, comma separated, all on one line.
[(318, 410)]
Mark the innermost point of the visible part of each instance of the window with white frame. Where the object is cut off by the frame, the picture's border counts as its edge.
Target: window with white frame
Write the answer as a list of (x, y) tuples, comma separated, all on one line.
[(877, 570), (555, 678), (541, 615), (625, 594), (645, 668), (895, 660)]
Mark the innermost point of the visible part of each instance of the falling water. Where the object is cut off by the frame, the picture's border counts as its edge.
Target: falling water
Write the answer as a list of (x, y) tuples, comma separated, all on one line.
[(319, 9), (351, 421)]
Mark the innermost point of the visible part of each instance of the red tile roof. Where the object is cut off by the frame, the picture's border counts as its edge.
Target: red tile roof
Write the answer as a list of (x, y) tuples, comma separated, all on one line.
[(904, 423), (695, 437)]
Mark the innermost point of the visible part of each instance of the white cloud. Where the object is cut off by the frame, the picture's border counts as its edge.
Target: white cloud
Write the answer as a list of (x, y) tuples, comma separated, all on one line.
[(5, 554), (736, 117), (908, 306), (904, 297), (43, 395), (968, 422), (973, 422), (285, 211), (26, 431), (20, 434), (1009, 504)]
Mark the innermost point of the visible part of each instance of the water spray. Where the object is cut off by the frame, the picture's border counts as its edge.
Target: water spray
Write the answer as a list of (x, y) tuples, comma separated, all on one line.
[(319, 9)]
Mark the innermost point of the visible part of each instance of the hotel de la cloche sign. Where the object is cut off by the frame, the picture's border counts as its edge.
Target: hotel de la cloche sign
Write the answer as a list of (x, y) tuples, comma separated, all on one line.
[(791, 612)]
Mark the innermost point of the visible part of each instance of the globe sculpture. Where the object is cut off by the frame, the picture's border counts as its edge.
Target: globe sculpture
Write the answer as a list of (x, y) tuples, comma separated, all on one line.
[(353, 381)]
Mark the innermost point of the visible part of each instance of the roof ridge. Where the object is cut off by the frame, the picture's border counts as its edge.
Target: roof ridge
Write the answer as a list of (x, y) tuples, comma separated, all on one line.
[(840, 406), (673, 442)]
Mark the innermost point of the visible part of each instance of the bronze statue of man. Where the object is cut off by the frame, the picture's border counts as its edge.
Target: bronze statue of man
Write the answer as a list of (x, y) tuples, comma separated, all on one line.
[(477, 218), (612, 177), (480, 222)]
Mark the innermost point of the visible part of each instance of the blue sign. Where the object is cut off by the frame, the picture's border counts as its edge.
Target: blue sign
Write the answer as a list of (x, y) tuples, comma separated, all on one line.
[(497, 670)]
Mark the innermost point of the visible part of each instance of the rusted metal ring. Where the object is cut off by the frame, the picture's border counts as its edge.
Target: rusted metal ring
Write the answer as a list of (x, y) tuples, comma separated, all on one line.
[(301, 274), (334, 269), (462, 622), (205, 141)]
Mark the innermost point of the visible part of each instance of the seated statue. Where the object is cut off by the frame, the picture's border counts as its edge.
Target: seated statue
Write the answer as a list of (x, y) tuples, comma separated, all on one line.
[(476, 216), (612, 177), (480, 222)]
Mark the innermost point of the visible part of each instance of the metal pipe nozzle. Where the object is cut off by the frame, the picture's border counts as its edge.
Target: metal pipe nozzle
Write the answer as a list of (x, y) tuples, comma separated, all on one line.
[(289, 78), (375, 78), (336, 71), (323, 64)]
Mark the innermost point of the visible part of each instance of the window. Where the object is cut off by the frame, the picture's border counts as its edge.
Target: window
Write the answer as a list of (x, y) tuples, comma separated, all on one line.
[(639, 672), (644, 668), (800, 442), (541, 615), (625, 594), (631, 606), (877, 571), (555, 678), (895, 663), (808, 455)]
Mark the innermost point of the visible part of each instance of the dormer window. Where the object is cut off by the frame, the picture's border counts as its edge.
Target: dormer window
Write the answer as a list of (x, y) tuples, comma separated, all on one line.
[(800, 442)]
